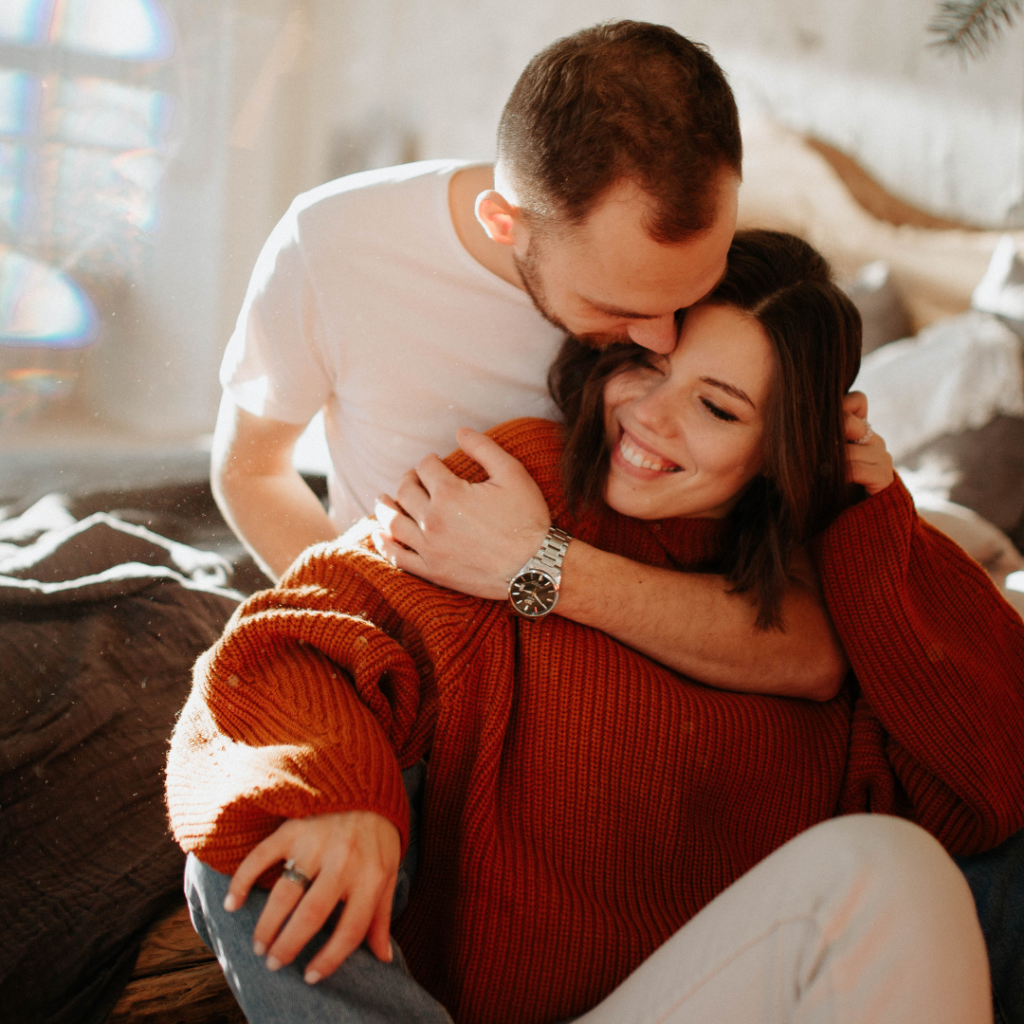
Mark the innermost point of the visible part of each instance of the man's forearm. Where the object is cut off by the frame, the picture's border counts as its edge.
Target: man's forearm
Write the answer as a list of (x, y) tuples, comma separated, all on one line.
[(262, 496), (472, 537), (275, 517), (691, 623)]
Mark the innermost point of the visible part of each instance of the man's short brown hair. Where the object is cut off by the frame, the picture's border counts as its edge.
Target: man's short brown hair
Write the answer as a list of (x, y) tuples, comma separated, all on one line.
[(621, 101)]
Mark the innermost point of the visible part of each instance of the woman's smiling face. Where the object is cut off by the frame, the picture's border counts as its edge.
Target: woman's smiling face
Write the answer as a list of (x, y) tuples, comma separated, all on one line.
[(686, 433)]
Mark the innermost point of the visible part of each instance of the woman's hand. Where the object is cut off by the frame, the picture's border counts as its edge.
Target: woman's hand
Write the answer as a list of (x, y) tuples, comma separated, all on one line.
[(867, 461), (353, 856), (468, 537)]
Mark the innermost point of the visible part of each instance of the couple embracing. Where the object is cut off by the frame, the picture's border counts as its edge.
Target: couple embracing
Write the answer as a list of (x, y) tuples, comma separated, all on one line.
[(591, 715)]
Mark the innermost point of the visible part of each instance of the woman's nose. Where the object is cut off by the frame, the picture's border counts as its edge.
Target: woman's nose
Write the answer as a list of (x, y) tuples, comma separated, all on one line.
[(658, 335), (658, 411)]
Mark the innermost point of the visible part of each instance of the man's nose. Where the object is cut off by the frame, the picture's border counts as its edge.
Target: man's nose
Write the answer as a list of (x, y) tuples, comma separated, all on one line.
[(658, 335)]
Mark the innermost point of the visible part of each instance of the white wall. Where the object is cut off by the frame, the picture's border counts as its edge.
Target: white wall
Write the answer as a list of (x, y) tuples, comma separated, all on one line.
[(241, 132), (859, 75), (284, 94)]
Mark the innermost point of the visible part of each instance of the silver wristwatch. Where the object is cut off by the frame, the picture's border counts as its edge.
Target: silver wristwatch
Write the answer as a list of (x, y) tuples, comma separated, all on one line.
[(533, 591)]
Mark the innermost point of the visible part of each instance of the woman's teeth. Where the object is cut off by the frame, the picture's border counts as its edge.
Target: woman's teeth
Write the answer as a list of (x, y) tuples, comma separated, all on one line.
[(643, 459)]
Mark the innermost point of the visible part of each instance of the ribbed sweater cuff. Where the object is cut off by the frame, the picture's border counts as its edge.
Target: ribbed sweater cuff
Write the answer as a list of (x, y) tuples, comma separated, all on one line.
[(233, 778)]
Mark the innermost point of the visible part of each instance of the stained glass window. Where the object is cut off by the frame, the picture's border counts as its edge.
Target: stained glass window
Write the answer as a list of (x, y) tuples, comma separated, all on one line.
[(83, 146), (126, 29)]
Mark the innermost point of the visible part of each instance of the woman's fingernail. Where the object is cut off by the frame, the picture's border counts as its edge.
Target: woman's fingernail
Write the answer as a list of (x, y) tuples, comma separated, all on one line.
[(230, 902), (273, 964), (390, 954), (259, 948), (311, 977)]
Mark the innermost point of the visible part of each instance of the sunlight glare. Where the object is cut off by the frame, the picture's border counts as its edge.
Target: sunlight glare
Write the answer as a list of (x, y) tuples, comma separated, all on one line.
[(25, 22), (127, 29), (40, 307), (99, 112), (19, 101), (14, 162)]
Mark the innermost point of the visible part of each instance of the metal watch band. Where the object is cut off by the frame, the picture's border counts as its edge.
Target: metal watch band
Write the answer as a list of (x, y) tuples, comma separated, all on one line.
[(553, 550), (533, 591)]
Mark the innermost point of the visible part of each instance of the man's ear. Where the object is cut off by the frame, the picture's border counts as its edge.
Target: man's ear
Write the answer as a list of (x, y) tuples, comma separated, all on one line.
[(498, 217)]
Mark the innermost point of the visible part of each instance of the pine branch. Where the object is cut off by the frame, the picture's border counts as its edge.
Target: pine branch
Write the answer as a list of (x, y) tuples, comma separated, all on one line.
[(969, 27)]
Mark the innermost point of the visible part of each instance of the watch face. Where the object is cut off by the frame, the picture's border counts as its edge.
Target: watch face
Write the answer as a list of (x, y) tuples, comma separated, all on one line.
[(533, 593)]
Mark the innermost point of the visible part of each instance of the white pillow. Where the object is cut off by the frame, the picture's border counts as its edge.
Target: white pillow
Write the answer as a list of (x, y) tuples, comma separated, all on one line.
[(882, 313), (955, 375), (1001, 290)]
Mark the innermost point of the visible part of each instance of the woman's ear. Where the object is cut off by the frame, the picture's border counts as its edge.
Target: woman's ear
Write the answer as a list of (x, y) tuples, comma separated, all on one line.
[(498, 217)]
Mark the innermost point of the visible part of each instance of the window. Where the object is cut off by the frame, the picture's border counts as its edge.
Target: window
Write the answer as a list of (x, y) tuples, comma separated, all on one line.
[(86, 113)]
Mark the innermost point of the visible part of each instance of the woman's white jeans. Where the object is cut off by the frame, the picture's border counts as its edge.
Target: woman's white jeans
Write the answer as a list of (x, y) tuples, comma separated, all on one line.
[(860, 919)]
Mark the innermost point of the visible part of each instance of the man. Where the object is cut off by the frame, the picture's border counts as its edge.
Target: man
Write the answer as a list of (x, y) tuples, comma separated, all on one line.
[(414, 301)]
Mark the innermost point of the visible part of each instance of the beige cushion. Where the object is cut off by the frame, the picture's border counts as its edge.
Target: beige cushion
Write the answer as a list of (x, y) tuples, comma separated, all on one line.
[(788, 186)]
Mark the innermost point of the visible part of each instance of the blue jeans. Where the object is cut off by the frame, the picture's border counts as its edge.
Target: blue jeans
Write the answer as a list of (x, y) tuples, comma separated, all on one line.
[(362, 991), (996, 879)]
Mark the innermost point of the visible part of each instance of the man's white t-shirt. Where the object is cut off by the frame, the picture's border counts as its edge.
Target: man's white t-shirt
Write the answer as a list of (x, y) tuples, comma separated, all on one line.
[(365, 303)]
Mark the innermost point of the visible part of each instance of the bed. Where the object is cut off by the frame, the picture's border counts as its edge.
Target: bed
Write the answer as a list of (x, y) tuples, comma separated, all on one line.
[(100, 620), (106, 598)]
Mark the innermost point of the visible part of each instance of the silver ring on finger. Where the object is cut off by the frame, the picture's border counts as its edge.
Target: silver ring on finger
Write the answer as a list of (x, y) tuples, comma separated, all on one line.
[(868, 434), (294, 874)]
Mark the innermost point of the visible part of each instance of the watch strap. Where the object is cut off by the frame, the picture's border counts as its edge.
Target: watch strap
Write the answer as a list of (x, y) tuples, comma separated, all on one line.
[(547, 563), (552, 551)]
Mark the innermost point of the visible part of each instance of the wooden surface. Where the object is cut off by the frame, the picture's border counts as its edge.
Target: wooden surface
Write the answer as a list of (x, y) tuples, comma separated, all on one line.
[(171, 945), (177, 980)]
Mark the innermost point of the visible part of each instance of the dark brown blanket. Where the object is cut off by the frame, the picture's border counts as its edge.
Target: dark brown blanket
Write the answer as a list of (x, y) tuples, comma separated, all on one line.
[(100, 622)]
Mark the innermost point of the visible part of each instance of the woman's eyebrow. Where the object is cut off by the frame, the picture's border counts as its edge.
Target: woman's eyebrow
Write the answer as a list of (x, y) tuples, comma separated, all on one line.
[(730, 389)]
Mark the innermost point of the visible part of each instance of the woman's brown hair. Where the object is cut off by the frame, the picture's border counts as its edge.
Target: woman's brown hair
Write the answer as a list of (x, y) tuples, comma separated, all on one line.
[(815, 334)]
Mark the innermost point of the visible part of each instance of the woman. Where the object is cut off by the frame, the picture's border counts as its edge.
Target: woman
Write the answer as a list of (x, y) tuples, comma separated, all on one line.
[(582, 803)]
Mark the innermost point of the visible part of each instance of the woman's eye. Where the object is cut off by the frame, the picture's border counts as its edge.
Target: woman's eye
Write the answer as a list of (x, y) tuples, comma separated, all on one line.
[(719, 414)]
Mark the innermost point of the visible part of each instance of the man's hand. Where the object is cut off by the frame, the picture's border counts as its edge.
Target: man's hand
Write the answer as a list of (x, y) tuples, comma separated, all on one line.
[(353, 857), (469, 537), (867, 461)]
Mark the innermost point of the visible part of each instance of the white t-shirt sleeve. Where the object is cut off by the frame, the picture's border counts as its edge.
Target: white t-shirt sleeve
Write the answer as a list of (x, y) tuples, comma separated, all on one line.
[(273, 365)]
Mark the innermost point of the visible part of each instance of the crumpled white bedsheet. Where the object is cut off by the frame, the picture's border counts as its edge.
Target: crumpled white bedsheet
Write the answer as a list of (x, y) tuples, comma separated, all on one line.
[(954, 375)]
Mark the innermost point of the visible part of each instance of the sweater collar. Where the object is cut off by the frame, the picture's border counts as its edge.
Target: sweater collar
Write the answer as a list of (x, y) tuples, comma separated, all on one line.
[(688, 542)]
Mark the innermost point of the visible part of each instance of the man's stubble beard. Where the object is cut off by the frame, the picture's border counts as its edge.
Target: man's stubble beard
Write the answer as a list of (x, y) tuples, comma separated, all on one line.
[(529, 274), (528, 269)]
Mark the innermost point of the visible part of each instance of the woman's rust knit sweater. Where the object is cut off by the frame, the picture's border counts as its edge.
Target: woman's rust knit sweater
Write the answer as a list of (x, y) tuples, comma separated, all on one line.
[(582, 801)]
